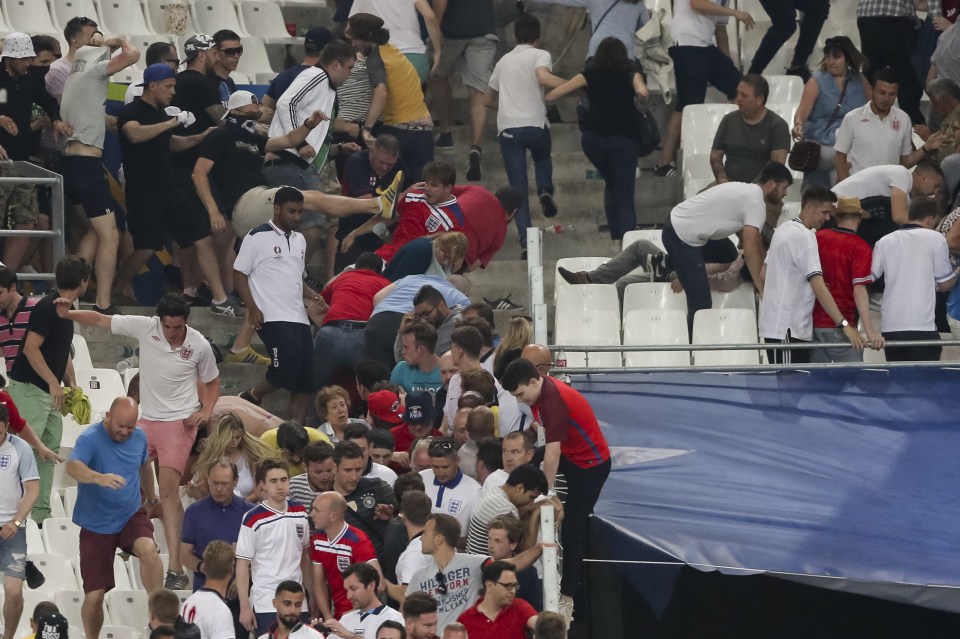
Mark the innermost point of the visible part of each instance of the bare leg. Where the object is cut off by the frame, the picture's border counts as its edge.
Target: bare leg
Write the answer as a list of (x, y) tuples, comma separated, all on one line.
[(339, 205), (12, 605), (223, 249), (671, 140), (129, 269), (244, 338), (330, 253), (188, 267), (151, 568), (104, 258), (298, 406), (478, 116), (15, 249), (207, 261), (441, 91), (169, 480), (92, 613)]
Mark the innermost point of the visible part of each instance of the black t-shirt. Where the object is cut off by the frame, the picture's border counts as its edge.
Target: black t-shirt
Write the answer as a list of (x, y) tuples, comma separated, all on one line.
[(147, 164), (361, 509), (237, 157), (58, 336), (195, 93), (611, 95)]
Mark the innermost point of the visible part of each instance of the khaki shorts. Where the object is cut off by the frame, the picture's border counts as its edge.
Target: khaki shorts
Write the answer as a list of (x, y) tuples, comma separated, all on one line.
[(477, 54), (18, 202)]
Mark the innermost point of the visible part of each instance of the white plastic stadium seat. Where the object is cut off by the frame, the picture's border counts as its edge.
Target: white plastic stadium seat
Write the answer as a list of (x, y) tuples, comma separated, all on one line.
[(30, 600), (651, 235), (652, 296), (130, 75), (123, 16), (784, 109), (584, 298), (725, 326), (63, 10), (785, 88), (159, 535), (643, 327), (265, 78), (262, 18), (142, 42), (213, 15), (81, 353), (56, 504), (69, 500), (750, 42), (790, 211), (699, 124), (62, 479), (696, 170), (836, 26), (254, 59), (57, 569), (121, 574), (62, 537), (71, 430), (5, 28), (741, 297), (156, 14), (133, 568), (69, 603), (592, 328), (34, 538), (101, 386), (693, 187), (29, 16), (574, 264), (239, 77), (128, 375), (118, 632), (127, 607)]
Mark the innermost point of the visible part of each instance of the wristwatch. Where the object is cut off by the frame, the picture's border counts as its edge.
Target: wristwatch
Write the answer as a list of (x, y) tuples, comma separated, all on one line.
[(842, 324)]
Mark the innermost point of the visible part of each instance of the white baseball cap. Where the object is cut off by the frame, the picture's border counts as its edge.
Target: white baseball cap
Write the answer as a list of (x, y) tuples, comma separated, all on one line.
[(240, 99), (18, 45)]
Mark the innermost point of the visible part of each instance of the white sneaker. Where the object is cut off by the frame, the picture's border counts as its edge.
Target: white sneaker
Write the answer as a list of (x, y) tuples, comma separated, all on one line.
[(566, 609)]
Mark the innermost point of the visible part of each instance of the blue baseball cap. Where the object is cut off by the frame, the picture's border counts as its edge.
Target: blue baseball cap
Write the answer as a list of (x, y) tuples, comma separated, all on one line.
[(157, 73)]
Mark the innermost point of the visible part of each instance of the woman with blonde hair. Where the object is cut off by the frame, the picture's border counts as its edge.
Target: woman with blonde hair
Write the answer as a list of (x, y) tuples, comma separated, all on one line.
[(440, 254), (228, 439), (519, 334)]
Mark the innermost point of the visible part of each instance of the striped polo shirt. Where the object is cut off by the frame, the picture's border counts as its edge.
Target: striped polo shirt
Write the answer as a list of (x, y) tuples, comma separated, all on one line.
[(13, 329)]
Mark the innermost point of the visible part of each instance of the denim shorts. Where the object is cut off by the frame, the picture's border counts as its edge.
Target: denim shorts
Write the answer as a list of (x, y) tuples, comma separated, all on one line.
[(13, 555)]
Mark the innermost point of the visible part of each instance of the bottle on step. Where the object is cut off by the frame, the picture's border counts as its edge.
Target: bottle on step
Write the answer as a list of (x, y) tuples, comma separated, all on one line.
[(557, 229)]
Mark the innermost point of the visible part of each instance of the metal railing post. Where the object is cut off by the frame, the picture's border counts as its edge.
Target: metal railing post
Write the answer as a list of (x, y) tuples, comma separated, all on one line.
[(31, 174)]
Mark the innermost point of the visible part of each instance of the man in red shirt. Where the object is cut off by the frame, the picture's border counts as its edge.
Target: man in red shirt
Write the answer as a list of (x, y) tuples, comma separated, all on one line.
[(499, 614), (342, 317), (417, 421), (487, 218), (335, 546), (427, 211), (576, 447), (845, 260)]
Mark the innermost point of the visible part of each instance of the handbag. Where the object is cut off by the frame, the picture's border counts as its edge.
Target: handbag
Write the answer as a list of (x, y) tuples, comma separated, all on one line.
[(805, 154), (648, 133)]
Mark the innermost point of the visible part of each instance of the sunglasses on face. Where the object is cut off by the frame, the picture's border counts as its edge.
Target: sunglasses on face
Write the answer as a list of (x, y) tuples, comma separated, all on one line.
[(441, 583), (232, 52)]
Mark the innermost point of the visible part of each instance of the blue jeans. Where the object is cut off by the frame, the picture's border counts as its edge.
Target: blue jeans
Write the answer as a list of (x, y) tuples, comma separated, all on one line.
[(416, 149), (335, 348), (514, 144), (615, 157)]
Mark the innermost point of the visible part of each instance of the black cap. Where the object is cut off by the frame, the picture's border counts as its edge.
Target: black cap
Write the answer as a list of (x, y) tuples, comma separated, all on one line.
[(317, 38), (419, 408), (53, 626)]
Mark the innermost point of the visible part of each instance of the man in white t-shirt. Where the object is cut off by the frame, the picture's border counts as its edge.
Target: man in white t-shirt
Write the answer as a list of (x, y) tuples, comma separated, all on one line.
[(415, 509), (401, 19), (793, 281), (361, 582), (174, 360), (207, 607), (451, 491), (915, 263), (84, 179), (885, 192), (879, 132), (516, 90), (268, 275), (699, 228), (19, 487)]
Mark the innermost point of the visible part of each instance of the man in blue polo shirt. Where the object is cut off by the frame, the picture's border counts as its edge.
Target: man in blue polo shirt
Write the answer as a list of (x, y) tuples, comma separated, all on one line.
[(214, 518)]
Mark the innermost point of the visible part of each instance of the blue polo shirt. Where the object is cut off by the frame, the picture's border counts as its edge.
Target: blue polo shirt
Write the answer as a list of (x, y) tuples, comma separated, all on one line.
[(206, 521), (104, 510)]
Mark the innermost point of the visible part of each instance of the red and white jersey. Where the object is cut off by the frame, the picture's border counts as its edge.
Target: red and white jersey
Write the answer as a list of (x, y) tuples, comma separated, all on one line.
[(273, 543), (418, 218), (350, 546), (210, 613)]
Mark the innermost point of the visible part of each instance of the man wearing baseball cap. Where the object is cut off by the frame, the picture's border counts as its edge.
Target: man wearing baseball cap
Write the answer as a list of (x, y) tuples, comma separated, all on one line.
[(845, 260), (22, 91), (417, 421), (385, 408), (313, 43)]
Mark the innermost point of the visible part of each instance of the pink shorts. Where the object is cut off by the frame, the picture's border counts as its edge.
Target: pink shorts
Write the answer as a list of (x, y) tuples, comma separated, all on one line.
[(169, 442)]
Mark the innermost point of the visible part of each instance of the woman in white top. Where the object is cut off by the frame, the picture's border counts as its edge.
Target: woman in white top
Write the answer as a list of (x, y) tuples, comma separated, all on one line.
[(229, 440)]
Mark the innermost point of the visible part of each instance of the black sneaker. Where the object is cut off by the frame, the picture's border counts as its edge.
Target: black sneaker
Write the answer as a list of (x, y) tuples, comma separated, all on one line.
[(474, 172), (35, 578), (802, 71), (667, 170), (204, 292), (574, 277), (444, 142), (503, 304), (657, 268), (548, 204), (247, 395), (176, 580)]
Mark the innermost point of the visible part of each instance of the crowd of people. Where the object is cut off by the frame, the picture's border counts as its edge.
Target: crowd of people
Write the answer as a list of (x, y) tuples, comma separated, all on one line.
[(399, 495)]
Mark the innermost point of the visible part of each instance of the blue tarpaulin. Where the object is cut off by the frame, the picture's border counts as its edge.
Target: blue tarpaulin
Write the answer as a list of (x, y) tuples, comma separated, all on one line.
[(846, 479)]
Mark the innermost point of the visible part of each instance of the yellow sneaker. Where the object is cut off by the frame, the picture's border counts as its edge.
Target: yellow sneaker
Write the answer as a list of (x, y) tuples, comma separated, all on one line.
[(388, 199), (248, 356)]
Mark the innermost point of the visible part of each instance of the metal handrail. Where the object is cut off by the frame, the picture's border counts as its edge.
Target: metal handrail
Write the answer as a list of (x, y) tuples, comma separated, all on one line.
[(606, 348), (751, 368), (37, 175)]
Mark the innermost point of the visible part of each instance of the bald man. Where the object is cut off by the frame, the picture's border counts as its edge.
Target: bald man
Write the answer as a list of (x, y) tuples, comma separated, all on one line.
[(110, 463), (334, 546), (540, 355)]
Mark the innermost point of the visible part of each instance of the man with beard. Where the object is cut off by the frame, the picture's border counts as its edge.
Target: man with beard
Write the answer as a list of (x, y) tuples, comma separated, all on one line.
[(288, 602), (698, 231)]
